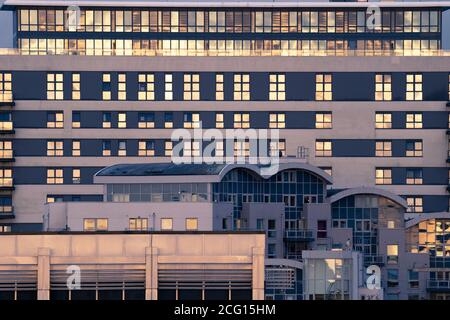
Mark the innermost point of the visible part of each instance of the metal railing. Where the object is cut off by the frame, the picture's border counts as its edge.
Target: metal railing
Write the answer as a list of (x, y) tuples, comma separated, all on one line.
[(438, 284), (299, 234), (373, 259)]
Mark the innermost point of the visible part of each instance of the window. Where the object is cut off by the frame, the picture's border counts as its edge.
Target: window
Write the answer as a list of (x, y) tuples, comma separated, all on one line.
[(383, 87), (392, 253), (278, 148), (146, 148), (413, 279), (146, 120), (168, 87), (55, 148), (76, 148), (166, 224), (414, 176), (391, 224), (76, 176), (241, 120), (277, 87), (218, 148), (415, 204), (168, 120), (98, 224), (6, 178), (5, 229), (106, 86), (55, 176), (76, 86), (220, 91), (220, 124), (106, 148), (138, 224), (76, 119), (191, 148), (241, 148), (323, 149), (168, 146), (241, 90), (414, 120), (55, 120), (122, 152), (324, 120), (146, 86), (55, 88), (383, 176), (383, 149), (392, 279), (122, 87), (191, 120), (191, 87), (271, 228), (324, 90), (277, 120), (414, 148), (191, 224), (5, 87), (122, 120), (106, 120), (383, 120), (414, 87), (6, 151), (321, 229)]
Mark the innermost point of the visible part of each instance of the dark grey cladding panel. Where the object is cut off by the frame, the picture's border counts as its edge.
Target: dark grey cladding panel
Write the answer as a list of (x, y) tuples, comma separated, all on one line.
[(398, 148), (207, 86), (159, 86), (132, 147), (398, 86), (259, 120), (178, 86), (91, 148), (29, 85), (132, 86), (353, 86), (30, 119), (30, 147), (300, 86), (26, 227), (435, 86), (398, 175), (398, 120), (91, 85), (228, 79), (301, 119), (435, 176), (259, 86), (435, 119), (435, 203), (91, 119), (132, 119), (208, 119), (67, 85), (353, 148), (29, 175)]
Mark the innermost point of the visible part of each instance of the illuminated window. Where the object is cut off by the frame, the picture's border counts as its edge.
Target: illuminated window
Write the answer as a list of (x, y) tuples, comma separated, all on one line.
[(168, 87), (122, 120), (106, 86), (6, 151), (6, 178), (414, 176), (414, 87), (191, 148), (146, 86), (166, 224), (383, 176), (324, 90), (191, 87), (122, 87), (415, 204), (106, 148), (55, 119), (324, 148), (76, 176), (168, 146), (383, 149), (55, 148), (277, 87), (191, 120), (98, 224), (146, 120), (278, 148), (383, 120), (324, 120), (122, 150), (138, 224), (220, 124), (5, 87), (55, 176), (218, 148), (241, 148), (220, 87), (5, 229), (76, 119), (241, 87), (383, 87), (76, 86), (191, 224), (146, 148), (414, 120), (55, 87), (277, 120), (241, 120), (76, 148), (6, 123), (106, 120), (414, 148), (168, 120), (392, 253)]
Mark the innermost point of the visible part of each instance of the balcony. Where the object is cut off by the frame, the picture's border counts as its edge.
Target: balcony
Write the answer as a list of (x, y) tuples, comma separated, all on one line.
[(373, 259), (6, 127), (302, 235), (438, 285)]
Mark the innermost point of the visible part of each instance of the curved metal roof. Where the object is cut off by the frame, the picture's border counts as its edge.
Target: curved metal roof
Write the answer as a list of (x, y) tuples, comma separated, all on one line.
[(427, 216), (369, 190), (161, 169)]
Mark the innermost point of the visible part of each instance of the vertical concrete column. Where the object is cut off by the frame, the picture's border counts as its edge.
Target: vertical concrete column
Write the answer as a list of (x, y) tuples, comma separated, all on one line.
[(151, 273), (258, 271), (43, 274)]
